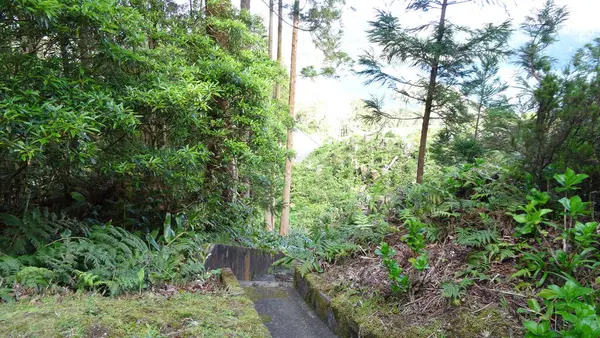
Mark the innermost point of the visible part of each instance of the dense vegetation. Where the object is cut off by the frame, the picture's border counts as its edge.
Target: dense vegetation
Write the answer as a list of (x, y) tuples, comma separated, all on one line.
[(129, 131), (506, 213), (134, 133)]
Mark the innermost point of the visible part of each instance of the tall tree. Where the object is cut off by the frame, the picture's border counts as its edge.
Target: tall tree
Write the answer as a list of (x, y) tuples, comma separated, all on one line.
[(542, 90), (319, 18), (279, 44), (270, 39), (269, 208), (284, 225), (560, 106), (439, 54)]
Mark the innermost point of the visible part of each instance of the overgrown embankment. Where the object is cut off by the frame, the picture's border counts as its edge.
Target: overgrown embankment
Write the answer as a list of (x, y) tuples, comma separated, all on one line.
[(474, 244)]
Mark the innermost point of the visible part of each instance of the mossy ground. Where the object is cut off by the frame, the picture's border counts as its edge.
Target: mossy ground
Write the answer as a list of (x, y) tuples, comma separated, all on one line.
[(147, 315)]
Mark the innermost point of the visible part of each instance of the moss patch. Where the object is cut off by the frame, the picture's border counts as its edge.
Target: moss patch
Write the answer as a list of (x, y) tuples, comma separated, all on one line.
[(265, 319), (148, 315), (258, 293)]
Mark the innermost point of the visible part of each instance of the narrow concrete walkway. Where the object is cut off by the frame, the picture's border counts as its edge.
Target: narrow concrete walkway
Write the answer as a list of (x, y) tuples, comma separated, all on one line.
[(284, 312)]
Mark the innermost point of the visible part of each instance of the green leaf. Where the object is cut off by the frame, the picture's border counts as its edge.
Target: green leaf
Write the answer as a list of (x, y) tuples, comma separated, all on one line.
[(141, 274), (547, 294), (168, 232), (534, 305), (78, 196)]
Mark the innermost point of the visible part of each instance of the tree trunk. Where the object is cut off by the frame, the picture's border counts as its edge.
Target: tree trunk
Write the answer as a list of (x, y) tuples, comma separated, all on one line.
[(269, 220), (245, 4), (269, 217), (430, 93), (270, 29), (479, 109), (284, 226), (279, 45)]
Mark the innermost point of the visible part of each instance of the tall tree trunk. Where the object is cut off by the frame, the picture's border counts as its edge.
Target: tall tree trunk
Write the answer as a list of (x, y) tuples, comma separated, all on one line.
[(269, 218), (430, 93), (245, 4), (270, 29), (279, 45), (284, 226), (477, 121)]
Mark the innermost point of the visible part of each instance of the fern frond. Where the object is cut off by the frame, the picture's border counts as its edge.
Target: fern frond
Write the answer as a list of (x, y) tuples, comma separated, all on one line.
[(9, 266), (476, 238)]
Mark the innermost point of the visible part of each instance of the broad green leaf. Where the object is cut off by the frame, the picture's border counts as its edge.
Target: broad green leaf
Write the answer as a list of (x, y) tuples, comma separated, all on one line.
[(78, 196)]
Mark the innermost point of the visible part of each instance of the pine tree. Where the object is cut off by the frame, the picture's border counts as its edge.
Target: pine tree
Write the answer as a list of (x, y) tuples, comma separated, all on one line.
[(484, 88), (284, 225), (438, 54)]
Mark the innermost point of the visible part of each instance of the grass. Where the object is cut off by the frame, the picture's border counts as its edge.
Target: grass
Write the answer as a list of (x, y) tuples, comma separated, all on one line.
[(147, 315)]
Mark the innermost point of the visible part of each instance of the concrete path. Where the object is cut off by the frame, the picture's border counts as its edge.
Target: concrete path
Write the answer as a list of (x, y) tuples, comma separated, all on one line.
[(284, 312)]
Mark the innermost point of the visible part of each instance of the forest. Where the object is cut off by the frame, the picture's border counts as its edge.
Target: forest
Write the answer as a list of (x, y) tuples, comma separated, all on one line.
[(137, 134)]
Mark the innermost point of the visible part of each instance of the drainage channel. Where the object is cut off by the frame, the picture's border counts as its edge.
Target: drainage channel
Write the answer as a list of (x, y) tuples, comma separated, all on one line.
[(283, 310)]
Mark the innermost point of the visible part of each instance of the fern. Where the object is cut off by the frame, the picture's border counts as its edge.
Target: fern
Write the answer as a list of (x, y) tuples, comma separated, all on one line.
[(451, 290), (9, 266), (359, 220), (455, 291), (36, 229), (476, 238)]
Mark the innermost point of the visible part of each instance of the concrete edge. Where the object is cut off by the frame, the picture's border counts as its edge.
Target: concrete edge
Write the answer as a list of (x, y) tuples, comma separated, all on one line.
[(340, 322), (231, 283)]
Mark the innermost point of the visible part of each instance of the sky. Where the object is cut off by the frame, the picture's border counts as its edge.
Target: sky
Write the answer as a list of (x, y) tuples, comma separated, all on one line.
[(332, 98), (336, 95)]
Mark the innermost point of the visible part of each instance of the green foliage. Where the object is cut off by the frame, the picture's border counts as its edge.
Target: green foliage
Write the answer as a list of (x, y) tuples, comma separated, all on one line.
[(398, 281), (451, 150), (571, 306), (330, 244), (476, 238), (455, 291), (108, 259), (336, 179), (36, 229), (34, 277), (414, 238), (569, 180), (125, 112), (420, 262), (533, 215)]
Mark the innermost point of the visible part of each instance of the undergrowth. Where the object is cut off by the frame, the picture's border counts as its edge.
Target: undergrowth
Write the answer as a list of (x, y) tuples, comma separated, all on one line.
[(50, 251)]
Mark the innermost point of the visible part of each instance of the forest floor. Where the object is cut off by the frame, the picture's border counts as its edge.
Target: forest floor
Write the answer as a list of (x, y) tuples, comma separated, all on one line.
[(162, 313), (486, 309)]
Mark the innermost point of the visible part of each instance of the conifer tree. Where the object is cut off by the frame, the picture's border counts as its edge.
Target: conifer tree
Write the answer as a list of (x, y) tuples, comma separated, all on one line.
[(440, 57)]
